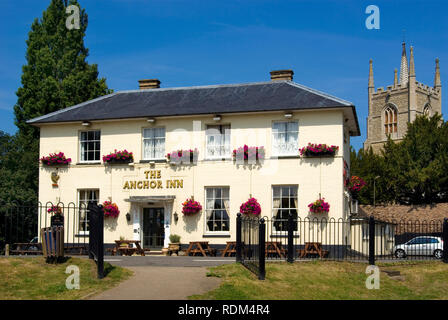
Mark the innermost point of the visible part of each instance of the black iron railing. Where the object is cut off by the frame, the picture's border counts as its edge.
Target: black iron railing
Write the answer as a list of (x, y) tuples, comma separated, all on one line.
[(356, 239), (21, 224)]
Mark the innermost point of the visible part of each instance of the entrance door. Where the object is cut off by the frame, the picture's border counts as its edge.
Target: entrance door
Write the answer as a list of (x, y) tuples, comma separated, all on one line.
[(153, 228)]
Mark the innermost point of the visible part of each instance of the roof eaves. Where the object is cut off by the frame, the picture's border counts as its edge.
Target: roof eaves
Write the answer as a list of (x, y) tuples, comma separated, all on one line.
[(34, 120)]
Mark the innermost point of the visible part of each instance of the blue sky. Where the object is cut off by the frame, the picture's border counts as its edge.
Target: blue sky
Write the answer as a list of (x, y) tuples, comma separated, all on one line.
[(185, 43)]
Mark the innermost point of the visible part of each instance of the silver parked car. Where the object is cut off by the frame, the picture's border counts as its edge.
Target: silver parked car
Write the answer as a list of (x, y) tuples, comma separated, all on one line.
[(420, 246)]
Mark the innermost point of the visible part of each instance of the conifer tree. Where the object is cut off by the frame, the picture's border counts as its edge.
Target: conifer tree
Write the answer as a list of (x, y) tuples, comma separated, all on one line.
[(56, 75)]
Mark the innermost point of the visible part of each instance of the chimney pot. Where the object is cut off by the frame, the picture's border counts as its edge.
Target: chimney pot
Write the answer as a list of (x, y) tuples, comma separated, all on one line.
[(149, 84), (278, 75)]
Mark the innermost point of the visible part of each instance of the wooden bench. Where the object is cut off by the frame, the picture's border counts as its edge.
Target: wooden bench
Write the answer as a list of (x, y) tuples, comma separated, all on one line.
[(201, 247), (275, 248), (128, 247), (313, 248), (229, 249), (26, 248), (76, 249)]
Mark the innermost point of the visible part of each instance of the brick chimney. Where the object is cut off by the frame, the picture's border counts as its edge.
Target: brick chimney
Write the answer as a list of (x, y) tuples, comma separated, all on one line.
[(278, 75), (149, 84)]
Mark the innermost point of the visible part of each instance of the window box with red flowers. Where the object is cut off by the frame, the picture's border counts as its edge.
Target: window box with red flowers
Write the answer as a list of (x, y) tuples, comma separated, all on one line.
[(319, 206), (251, 207), (110, 209), (191, 207), (119, 157), (55, 159), (183, 156), (248, 154), (318, 150)]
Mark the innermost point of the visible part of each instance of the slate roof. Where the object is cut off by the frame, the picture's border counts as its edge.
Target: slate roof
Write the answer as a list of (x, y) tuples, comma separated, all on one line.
[(214, 99)]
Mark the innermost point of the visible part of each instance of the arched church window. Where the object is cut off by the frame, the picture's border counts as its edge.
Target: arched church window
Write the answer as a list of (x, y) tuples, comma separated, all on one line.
[(390, 119), (427, 110)]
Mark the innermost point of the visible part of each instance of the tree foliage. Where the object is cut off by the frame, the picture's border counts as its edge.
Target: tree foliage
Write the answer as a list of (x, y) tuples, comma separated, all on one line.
[(414, 170), (56, 75)]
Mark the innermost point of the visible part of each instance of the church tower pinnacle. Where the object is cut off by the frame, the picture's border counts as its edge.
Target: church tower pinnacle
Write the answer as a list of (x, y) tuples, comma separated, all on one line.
[(437, 82), (403, 66)]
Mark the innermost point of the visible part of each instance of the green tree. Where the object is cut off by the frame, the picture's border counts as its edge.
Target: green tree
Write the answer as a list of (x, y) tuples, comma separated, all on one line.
[(57, 75), (418, 164), (414, 170), (367, 165)]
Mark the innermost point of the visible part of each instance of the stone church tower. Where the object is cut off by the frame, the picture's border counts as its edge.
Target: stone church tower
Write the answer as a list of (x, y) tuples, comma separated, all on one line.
[(390, 110)]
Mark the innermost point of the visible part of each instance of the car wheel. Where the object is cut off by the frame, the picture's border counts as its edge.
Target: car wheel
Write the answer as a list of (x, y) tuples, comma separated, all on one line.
[(438, 254), (400, 254)]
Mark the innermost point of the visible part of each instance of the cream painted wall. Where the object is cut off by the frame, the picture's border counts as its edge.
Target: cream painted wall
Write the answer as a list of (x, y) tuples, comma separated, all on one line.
[(313, 176)]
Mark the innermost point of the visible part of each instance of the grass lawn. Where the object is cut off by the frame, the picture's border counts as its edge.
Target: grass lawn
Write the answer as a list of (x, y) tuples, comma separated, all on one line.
[(32, 278), (330, 280)]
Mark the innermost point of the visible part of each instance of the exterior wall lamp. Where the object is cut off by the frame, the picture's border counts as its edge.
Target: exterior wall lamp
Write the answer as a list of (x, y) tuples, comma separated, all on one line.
[(86, 123), (176, 217), (217, 117), (128, 216), (151, 120), (288, 115)]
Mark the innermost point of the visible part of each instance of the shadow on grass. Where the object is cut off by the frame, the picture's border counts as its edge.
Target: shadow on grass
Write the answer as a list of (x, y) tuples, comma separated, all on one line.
[(56, 260), (108, 268)]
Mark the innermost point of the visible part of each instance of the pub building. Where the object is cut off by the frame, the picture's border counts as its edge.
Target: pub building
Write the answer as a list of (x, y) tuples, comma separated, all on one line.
[(277, 117)]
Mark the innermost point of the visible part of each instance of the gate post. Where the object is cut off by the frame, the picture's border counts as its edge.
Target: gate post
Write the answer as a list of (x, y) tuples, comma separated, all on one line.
[(445, 241), (290, 238), (371, 241), (238, 237), (261, 250), (100, 262)]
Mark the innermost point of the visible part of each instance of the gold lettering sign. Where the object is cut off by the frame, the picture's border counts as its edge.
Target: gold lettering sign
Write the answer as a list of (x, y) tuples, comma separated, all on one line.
[(153, 181)]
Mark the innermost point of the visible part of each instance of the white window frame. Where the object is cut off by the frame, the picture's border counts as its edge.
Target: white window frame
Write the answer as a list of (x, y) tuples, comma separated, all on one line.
[(275, 151), (278, 232), (209, 232), (227, 153), (79, 231), (143, 143), (86, 141)]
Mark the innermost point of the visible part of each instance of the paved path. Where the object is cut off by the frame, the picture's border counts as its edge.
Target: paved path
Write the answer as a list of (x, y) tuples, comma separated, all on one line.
[(163, 278)]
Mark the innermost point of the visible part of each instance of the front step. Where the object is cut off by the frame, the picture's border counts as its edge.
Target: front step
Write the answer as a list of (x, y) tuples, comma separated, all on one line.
[(153, 253)]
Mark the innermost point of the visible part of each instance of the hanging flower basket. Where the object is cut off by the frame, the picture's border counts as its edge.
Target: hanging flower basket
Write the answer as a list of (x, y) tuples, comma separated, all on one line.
[(319, 206), (183, 156), (246, 153), (356, 185), (55, 159), (190, 207), (251, 207), (55, 210), (110, 209), (318, 150), (119, 157)]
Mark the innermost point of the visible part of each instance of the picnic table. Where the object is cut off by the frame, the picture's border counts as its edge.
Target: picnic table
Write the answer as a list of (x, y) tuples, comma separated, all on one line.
[(200, 247), (229, 249), (128, 247), (313, 248), (26, 248), (274, 248)]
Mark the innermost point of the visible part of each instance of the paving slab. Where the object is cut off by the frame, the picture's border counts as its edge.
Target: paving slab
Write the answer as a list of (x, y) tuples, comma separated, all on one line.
[(163, 278), (161, 283)]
